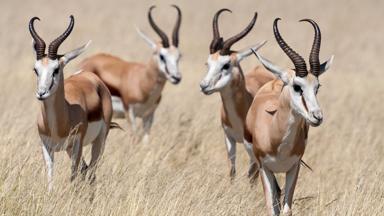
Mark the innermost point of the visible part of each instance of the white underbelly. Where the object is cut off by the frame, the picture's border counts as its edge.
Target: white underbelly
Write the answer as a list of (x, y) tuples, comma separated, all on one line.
[(61, 144), (139, 109), (279, 163)]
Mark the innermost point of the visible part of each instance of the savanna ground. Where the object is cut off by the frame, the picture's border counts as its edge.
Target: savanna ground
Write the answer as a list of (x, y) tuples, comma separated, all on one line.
[(183, 170)]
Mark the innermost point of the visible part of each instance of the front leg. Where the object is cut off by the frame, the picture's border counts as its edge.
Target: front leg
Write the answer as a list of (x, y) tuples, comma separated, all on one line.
[(48, 154), (147, 125), (272, 190), (231, 150), (290, 184)]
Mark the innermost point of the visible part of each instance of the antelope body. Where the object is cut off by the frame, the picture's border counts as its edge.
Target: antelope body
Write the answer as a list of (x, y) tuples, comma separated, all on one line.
[(236, 89), (136, 87), (74, 112), (278, 120)]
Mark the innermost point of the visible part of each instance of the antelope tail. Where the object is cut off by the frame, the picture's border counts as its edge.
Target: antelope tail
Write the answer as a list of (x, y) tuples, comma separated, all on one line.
[(306, 165)]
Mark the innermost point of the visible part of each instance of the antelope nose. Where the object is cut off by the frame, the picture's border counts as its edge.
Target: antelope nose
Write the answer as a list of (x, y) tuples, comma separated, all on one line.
[(318, 115), (176, 79), (203, 85)]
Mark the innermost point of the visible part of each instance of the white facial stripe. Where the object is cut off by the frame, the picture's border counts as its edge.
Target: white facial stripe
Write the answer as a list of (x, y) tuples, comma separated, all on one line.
[(216, 78), (306, 104), (47, 81), (169, 63)]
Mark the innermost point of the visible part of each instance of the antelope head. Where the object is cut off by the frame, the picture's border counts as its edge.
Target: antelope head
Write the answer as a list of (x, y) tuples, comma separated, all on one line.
[(302, 84), (49, 68), (166, 55), (222, 60)]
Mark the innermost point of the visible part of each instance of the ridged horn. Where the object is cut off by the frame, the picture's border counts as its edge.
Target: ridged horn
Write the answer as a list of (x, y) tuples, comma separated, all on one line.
[(163, 36), (175, 33), (229, 42), (39, 42), (54, 45), (314, 60), (298, 61), (217, 41)]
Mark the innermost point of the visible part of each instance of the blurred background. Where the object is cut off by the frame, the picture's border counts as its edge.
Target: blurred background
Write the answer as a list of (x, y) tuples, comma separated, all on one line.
[(183, 170)]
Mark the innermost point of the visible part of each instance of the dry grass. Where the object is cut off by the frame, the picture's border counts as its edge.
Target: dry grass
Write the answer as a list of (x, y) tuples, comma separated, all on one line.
[(183, 170)]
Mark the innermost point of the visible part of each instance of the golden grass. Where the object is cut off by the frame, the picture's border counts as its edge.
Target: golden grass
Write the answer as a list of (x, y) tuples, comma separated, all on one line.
[(183, 170)]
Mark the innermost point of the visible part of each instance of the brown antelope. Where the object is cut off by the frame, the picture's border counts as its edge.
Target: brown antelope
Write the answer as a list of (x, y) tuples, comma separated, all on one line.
[(226, 77), (278, 120), (136, 87), (75, 111)]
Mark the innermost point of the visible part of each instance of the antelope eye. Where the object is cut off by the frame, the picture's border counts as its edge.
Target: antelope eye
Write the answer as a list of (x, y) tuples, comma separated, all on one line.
[(162, 58), (297, 89), (226, 66), (56, 71)]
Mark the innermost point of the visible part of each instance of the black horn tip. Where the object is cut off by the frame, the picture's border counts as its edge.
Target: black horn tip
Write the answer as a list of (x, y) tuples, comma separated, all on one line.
[(223, 9), (34, 18), (177, 7), (151, 8), (306, 20), (276, 20)]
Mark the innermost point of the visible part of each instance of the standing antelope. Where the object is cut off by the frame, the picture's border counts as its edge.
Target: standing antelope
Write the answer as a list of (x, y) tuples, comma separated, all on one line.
[(135, 87), (75, 111), (278, 120), (226, 77)]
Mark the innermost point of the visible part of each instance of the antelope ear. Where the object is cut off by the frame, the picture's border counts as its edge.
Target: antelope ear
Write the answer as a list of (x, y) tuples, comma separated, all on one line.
[(146, 38), (247, 52), (276, 70), (326, 65), (67, 57)]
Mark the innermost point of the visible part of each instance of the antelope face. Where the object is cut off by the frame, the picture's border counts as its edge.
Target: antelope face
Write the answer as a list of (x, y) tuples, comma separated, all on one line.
[(303, 91), (302, 84), (168, 63), (222, 59), (219, 73), (49, 74), (166, 54), (49, 67)]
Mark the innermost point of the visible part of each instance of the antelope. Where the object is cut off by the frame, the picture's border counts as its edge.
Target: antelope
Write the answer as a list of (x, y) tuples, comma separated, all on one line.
[(74, 112), (136, 87), (278, 120), (225, 76)]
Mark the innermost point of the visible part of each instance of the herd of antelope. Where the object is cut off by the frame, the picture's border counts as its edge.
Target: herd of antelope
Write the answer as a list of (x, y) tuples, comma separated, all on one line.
[(269, 109)]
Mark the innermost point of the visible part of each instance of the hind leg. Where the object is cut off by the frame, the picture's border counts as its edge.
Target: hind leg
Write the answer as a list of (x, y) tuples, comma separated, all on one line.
[(147, 124), (98, 146), (75, 153)]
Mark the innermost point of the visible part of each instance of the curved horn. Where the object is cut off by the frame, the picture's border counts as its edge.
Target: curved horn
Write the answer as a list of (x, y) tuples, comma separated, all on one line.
[(39, 42), (175, 34), (314, 60), (163, 36), (54, 45), (229, 42), (217, 41), (298, 61)]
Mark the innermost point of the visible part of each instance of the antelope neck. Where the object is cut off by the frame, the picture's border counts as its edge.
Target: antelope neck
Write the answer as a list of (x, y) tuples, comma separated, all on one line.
[(55, 112)]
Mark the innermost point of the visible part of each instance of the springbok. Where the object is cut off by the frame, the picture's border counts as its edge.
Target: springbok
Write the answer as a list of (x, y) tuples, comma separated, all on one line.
[(278, 120), (226, 77), (75, 111), (136, 87)]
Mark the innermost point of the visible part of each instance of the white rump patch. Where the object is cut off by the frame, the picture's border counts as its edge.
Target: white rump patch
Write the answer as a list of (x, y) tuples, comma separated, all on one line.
[(117, 105), (93, 130)]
